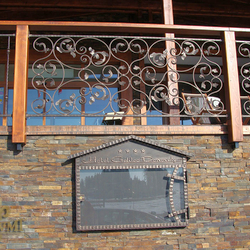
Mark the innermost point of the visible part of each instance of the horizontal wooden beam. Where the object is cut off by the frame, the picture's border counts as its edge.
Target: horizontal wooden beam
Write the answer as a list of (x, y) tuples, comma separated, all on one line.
[(145, 4), (121, 130), (181, 7), (211, 8), (114, 27), (71, 130), (123, 27)]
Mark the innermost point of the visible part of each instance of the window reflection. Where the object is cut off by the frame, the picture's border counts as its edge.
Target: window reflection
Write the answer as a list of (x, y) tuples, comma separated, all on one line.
[(129, 196)]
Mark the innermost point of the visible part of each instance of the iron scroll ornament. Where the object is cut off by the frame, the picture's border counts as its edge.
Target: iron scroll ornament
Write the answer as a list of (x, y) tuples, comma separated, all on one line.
[(103, 63)]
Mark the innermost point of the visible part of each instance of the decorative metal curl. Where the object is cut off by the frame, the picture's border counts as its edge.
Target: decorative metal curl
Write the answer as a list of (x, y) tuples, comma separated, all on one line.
[(103, 68), (246, 107)]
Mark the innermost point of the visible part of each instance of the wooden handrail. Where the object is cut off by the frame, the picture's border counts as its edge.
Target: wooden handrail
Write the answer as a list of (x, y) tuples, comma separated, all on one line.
[(123, 27), (114, 27)]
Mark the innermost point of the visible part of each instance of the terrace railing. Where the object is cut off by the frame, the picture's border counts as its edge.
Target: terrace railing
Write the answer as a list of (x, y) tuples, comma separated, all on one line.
[(119, 79), (243, 51), (67, 75), (7, 42)]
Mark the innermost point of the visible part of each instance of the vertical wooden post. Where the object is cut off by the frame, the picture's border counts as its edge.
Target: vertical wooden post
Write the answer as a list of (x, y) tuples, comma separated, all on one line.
[(127, 94), (173, 110), (142, 97), (20, 84), (83, 118), (232, 88)]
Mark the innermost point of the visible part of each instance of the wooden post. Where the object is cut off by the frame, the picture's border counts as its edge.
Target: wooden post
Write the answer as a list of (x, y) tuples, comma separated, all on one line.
[(20, 84), (127, 94), (142, 97), (173, 110), (232, 88)]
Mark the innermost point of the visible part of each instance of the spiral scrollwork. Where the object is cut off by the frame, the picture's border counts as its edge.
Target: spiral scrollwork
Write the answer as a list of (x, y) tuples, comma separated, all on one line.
[(100, 71)]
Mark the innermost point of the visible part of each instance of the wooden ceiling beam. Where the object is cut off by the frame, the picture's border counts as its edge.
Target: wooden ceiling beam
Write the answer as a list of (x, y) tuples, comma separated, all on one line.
[(100, 4), (215, 13), (180, 7)]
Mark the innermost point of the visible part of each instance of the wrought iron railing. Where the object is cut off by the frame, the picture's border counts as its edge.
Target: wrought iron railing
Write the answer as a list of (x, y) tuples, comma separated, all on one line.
[(115, 78), (6, 76), (244, 69), (128, 80)]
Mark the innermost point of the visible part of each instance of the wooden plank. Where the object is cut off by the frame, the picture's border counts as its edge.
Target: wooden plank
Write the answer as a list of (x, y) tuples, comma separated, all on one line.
[(211, 8), (83, 120), (5, 130), (114, 27), (126, 130), (20, 84), (127, 92), (168, 12), (142, 96), (172, 81), (127, 27), (78, 4), (232, 88), (181, 7), (241, 32)]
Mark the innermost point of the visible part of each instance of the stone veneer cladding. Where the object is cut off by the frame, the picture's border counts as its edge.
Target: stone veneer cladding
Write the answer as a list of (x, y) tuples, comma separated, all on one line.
[(38, 186)]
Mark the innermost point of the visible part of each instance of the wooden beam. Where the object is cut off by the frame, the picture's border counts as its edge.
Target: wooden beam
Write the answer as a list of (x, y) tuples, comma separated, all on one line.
[(232, 88), (172, 82), (127, 92), (212, 8), (114, 27), (126, 130), (20, 85), (79, 4), (142, 96), (168, 12)]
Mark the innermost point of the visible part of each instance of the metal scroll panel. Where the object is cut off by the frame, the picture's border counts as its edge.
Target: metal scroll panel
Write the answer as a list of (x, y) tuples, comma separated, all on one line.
[(7, 42), (244, 68), (124, 76), (130, 186)]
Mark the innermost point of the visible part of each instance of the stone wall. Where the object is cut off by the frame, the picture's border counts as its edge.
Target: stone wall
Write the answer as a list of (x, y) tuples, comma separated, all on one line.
[(37, 195)]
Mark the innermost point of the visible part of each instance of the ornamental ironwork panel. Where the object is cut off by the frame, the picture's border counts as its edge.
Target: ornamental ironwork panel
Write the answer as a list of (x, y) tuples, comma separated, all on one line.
[(244, 66), (106, 76), (7, 44), (131, 184)]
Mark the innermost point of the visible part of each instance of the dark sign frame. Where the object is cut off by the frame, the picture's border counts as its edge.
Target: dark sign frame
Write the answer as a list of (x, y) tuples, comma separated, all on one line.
[(131, 183)]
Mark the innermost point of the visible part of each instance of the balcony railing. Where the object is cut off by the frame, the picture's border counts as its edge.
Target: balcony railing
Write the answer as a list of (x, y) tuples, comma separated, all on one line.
[(244, 69), (118, 79), (7, 42), (66, 75)]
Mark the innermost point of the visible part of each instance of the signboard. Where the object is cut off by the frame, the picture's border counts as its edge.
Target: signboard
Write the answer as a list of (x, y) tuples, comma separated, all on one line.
[(131, 183)]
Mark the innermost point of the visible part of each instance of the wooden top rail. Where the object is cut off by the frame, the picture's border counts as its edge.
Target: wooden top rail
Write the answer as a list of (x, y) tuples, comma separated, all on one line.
[(114, 27), (122, 27)]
